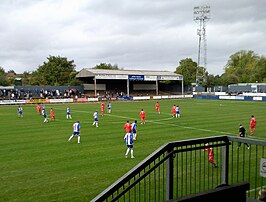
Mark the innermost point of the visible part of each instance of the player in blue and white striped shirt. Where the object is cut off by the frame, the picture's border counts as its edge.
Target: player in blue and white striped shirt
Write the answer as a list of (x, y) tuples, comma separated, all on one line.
[(76, 131), (129, 142), (20, 111), (177, 112), (44, 115), (134, 129), (95, 116), (68, 115), (109, 106)]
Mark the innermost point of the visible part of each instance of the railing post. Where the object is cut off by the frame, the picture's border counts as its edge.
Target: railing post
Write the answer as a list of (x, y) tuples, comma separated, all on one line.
[(169, 175), (225, 163)]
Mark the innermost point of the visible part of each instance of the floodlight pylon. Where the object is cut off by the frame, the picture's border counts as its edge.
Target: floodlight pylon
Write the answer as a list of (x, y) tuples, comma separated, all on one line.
[(201, 16)]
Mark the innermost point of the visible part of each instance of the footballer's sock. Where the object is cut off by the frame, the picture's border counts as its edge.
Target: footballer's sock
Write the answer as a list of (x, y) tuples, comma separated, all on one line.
[(96, 124), (78, 139), (127, 151), (70, 138), (93, 123), (132, 156)]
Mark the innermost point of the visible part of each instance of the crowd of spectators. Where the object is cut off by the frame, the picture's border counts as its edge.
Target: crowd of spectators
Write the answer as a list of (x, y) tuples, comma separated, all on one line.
[(111, 94), (22, 94), (15, 94), (56, 93)]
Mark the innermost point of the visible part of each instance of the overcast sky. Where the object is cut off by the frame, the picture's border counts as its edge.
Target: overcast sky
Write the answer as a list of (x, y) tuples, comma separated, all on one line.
[(134, 34)]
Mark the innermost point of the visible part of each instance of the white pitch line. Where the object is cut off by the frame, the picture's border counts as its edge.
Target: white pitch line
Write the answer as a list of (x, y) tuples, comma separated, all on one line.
[(191, 128), (175, 125), (258, 188), (167, 124)]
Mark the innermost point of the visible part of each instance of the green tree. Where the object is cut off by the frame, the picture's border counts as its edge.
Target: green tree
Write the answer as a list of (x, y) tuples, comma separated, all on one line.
[(187, 67), (73, 80), (245, 67), (33, 79), (260, 72), (3, 79), (106, 66), (213, 80), (10, 77), (55, 72), (26, 78)]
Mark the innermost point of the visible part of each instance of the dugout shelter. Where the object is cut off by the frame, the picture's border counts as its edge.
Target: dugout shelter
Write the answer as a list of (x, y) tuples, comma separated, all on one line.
[(129, 80)]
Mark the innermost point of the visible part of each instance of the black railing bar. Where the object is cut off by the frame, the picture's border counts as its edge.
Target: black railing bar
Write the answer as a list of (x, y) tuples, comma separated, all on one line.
[(200, 147), (130, 174), (164, 148), (143, 176), (199, 141), (258, 142)]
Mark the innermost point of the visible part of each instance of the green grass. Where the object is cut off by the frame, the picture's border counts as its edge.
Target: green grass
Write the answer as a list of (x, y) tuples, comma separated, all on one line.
[(38, 164)]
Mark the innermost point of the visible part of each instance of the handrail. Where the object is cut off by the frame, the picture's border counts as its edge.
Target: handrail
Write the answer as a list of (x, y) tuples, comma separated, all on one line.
[(151, 158)]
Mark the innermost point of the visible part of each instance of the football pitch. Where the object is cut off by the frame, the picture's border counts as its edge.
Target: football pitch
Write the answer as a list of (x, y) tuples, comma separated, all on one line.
[(37, 163)]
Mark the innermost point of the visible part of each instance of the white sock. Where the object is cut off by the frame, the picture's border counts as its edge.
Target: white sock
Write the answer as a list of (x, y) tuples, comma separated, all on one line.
[(70, 137), (78, 139), (135, 135), (127, 151), (96, 124), (132, 153), (93, 123)]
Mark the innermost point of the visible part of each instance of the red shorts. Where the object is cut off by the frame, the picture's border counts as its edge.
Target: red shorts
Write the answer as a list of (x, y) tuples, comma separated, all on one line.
[(252, 126), (210, 158)]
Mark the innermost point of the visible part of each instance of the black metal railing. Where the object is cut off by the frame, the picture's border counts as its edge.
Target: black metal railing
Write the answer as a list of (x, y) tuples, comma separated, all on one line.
[(178, 169)]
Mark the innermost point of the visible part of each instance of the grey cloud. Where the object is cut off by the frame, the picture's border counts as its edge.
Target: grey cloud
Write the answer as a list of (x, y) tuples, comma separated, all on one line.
[(140, 34)]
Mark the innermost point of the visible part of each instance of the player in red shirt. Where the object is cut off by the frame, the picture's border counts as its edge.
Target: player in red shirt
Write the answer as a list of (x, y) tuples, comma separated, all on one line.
[(252, 125), (102, 108), (52, 116), (142, 115), (210, 155), (174, 111), (127, 127), (38, 107), (157, 107)]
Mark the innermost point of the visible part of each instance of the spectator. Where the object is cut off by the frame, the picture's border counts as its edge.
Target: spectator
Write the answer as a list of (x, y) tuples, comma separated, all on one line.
[(262, 195), (242, 133)]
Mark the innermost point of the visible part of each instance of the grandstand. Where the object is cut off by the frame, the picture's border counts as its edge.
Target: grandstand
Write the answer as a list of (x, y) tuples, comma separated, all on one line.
[(126, 82)]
